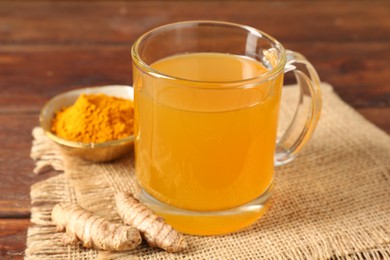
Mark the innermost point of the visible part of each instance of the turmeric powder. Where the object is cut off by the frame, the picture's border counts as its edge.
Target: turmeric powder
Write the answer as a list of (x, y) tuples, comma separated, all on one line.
[(93, 231), (95, 118)]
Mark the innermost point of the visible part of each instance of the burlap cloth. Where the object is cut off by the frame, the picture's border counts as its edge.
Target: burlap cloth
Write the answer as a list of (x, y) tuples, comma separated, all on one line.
[(331, 202)]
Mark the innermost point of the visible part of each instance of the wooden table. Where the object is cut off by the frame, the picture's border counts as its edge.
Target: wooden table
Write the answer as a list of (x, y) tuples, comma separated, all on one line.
[(48, 47)]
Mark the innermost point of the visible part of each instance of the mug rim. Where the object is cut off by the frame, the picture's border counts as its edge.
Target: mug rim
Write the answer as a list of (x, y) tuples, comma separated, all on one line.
[(269, 75)]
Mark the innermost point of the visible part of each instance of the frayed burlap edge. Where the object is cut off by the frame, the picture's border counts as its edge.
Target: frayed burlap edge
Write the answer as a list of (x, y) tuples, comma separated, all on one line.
[(93, 186)]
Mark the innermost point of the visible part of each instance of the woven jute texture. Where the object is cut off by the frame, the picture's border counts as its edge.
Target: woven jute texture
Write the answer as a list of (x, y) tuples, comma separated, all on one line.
[(331, 202)]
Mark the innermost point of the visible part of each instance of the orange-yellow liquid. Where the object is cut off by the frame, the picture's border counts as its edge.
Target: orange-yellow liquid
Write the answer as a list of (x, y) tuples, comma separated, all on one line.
[(206, 147)]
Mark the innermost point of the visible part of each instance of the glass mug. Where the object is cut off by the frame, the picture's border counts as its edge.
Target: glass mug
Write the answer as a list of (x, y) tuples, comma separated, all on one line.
[(207, 98)]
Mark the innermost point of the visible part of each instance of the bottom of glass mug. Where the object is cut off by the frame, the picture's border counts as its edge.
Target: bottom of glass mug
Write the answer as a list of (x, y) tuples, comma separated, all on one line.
[(209, 223)]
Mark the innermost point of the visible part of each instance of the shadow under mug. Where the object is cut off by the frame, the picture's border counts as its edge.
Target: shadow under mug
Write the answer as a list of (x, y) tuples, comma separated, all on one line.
[(205, 151)]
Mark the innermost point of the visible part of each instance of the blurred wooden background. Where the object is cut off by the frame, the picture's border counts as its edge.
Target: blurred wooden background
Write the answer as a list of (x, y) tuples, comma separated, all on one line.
[(47, 47)]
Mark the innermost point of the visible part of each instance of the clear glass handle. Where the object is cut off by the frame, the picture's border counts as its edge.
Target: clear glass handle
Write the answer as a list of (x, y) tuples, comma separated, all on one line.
[(307, 113)]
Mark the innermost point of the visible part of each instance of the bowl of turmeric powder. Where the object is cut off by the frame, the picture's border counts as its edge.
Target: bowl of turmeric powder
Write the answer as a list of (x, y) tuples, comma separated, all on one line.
[(95, 124)]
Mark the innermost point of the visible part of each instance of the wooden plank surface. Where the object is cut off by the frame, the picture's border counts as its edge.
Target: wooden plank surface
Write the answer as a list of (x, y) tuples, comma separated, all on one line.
[(121, 22), (13, 238), (47, 47), (358, 72)]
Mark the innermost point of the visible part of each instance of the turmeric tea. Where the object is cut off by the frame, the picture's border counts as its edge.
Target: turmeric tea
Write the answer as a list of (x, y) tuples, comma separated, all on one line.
[(95, 118)]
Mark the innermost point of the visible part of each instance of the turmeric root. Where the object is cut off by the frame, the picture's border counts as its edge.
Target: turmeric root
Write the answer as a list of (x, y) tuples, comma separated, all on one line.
[(92, 230), (153, 228)]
